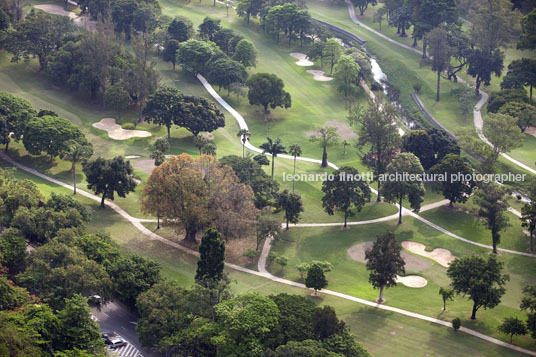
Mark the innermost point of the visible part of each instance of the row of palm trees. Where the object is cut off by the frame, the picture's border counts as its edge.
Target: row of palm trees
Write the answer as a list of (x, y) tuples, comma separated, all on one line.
[(272, 147)]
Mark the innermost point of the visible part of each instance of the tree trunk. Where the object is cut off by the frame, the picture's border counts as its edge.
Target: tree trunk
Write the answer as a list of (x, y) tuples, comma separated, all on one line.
[(400, 211), (158, 221), (531, 241), (325, 157), (7, 146), (273, 166), (173, 65), (102, 200), (423, 47), (438, 84), (295, 175), (73, 170), (379, 197), (444, 304), (168, 133), (473, 315), (345, 219), (190, 235), (243, 149), (287, 225), (494, 241), (140, 108), (380, 299)]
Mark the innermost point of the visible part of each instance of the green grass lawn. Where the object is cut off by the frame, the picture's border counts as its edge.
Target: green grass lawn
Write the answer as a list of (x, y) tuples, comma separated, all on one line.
[(351, 277)]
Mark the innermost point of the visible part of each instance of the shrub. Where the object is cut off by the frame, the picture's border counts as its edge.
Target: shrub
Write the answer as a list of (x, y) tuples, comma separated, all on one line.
[(128, 126), (251, 254), (456, 323), (270, 259), (417, 87)]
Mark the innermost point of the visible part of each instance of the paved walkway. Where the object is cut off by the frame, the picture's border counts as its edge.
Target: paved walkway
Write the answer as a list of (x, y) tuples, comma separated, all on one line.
[(478, 122)]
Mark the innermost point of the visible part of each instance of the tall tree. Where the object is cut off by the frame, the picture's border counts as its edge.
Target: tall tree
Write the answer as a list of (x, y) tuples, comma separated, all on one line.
[(482, 65), (267, 90), (332, 52), (315, 278), (528, 215), (266, 227), (493, 202), (347, 193), (294, 150), (377, 130), (397, 186), (524, 112), (527, 40), (245, 53), (117, 99), (170, 51), (273, 148), (440, 53), (420, 144), (347, 76), (193, 55), (209, 27), (16, 113), (292, 205), (427, 15), (455, 187), (325, 136), (503, 133), (165, 107), (384, 262), (224, 71), (211, 258), (244, 136), (108, 177), (512, 326), (180, 29), (362, 5), (77, 152), (521, 73), (528, 304), (479, 279)]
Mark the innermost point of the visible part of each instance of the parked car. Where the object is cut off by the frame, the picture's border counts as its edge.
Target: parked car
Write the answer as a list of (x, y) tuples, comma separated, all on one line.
[(113, 340)]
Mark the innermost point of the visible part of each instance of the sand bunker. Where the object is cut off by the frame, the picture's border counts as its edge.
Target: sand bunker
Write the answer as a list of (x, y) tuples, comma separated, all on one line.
[(357, 252), (132, 157), (116, 132), (440, 255), (319, 75), (412, 281), (303, 60), (344, 131), (56, 10)]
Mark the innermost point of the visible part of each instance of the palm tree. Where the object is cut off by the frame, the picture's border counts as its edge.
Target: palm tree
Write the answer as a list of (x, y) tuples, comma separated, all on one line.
[(77, 153), (294, 150), (245, 135), (273, 148), (209, 149)]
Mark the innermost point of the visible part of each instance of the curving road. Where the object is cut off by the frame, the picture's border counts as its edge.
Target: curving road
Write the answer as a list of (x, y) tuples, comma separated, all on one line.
[(477, 115)]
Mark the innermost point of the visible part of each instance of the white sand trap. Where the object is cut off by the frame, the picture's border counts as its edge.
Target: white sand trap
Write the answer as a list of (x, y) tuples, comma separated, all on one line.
[(302, 58), (319, 75), (116, 132), (56, 10), (412, 281), (132, 157), (440, 255)]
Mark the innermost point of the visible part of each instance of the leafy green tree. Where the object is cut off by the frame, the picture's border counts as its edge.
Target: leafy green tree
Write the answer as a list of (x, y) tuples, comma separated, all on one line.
[(347, 193), (222, 39), (512, 326), (211, 258), (455, 188), (292, 205), (524, 112), (397, 187), (440, 52), (527, 40), (465, 98), (267, 90), (244, 136), (266, 227), (377, 130), (249, 8), (492, 200), (77, 152), (117, 99), (503, 133), (16, 339), (201, 115), (428, 15), (362, 5), (347, 76), (38, 35), (479, 279), (498, 99), (170, 51), (63, 203), (50, 135), (384, 262), (325, 136), (446, 295), (57, 272), (15, 113), (208, 28), (315, 278), (521, 73), (97, 247), (133, 276), (193, 55), (273, 148), (483, 64), (379, 15), (244, 322), (528, 215), (161, 144), (224, 71), (12, 249), (165, 107), (332, 52), (76, 327), (316, 51), (15, 194), (245, 53), (107, 177), (420, 144), (528, 304), (180, 29), (294, 150)]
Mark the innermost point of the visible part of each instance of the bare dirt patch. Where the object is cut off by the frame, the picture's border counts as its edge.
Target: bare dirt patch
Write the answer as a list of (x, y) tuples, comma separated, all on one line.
[(302, 58), (357, 252), (440, 255), (319, 75), (56, 10), (116, 132), (145, 165), (531, 130)]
